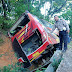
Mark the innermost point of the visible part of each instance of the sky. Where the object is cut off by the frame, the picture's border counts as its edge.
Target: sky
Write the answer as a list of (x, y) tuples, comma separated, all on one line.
[(47, 6), (43, 9)]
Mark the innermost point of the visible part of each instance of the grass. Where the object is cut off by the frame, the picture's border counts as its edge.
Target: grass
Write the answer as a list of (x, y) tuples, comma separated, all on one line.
[(1, 41), (14, 68), (70, 45), (4, 32)]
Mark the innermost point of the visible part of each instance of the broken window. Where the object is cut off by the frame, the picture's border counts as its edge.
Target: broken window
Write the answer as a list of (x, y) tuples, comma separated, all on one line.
[(23, 20), (32, 43)]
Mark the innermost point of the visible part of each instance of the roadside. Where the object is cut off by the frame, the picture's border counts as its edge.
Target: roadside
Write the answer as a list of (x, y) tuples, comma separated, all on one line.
[(66, 63), (7, 55)]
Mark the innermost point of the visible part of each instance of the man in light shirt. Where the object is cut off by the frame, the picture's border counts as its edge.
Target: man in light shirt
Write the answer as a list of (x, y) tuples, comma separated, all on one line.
[(63, 28)]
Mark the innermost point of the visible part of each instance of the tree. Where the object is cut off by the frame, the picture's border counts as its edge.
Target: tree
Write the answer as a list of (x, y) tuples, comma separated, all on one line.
[(14, 8), (4, 7), (68, 16)]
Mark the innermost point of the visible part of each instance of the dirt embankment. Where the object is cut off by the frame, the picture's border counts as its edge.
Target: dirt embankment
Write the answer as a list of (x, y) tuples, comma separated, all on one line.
[(7, 55)]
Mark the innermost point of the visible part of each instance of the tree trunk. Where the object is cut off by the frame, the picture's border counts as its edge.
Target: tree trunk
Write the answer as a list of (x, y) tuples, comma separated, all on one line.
[(28, 5), (4, 7)]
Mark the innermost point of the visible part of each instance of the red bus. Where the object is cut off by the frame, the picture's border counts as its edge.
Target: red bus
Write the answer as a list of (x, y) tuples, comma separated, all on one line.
[(32, 35)]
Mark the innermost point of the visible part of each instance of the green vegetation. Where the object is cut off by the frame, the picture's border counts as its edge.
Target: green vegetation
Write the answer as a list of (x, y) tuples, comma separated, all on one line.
[(14, 68), (55, 64), (1, 41), (11, 10)]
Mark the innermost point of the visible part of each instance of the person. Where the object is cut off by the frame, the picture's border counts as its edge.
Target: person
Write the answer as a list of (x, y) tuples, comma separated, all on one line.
[(63, 28)]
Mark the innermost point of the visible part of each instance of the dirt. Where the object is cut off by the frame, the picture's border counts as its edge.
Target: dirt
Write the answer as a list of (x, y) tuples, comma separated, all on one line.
[(7, 55)]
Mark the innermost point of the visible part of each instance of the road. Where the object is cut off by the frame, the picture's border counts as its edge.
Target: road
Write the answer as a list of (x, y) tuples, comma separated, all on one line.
[(66, 63)]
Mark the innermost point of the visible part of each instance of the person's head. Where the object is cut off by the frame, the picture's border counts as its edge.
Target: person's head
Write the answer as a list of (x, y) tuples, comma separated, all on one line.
[(56, 18)]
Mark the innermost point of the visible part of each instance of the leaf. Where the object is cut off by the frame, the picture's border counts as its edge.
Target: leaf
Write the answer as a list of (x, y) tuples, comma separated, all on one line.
[(29, 49), (43, 68), (1, 55), (15, 54)]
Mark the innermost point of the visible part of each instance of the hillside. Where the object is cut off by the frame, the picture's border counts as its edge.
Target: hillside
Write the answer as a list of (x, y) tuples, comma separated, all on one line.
[(7, 55)]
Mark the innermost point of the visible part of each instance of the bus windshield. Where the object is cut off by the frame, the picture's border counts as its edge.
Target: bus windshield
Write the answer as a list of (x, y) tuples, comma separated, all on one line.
[(43, 22)]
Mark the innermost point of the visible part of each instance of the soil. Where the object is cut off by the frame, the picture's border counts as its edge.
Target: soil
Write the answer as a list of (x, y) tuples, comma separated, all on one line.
[(7, 55)]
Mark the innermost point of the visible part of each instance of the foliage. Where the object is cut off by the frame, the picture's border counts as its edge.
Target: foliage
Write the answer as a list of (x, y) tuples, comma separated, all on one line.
[(56, 64), (1, 41), (13, 11), (42, 70), (14, 68), (15, 8), (67, 14)]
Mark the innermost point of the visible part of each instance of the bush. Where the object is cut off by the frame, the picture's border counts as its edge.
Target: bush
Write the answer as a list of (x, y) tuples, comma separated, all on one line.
[(14, 68), (6, 23)]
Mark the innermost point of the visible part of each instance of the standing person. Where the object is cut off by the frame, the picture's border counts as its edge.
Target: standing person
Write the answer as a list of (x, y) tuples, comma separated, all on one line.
[(63, 28)]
